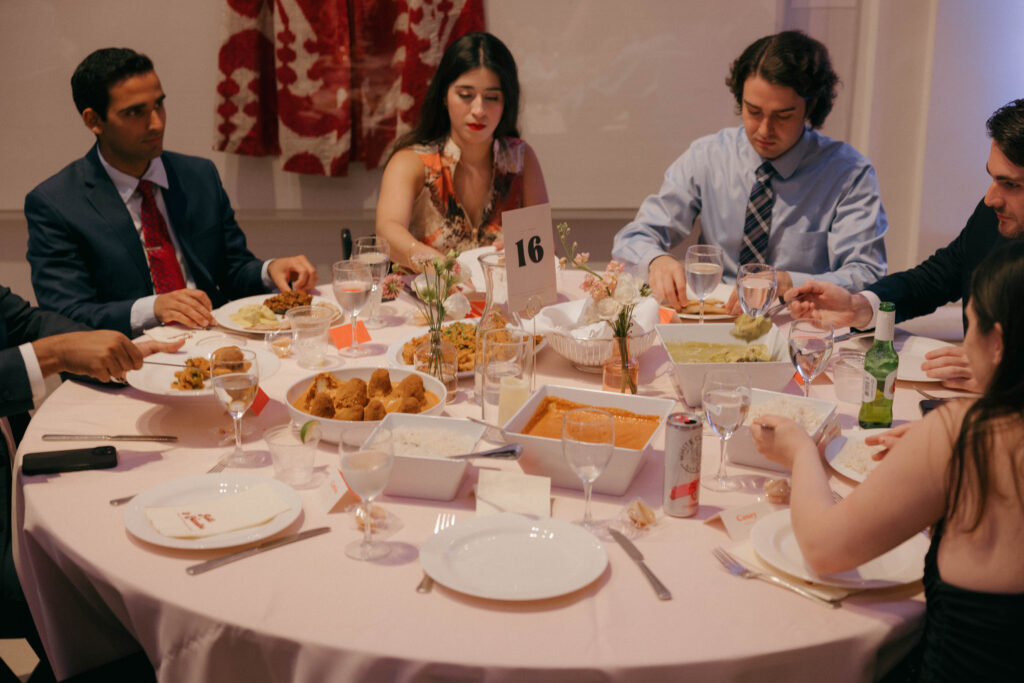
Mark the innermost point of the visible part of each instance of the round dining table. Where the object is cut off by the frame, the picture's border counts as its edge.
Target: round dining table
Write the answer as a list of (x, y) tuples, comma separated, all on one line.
[(307, 613)]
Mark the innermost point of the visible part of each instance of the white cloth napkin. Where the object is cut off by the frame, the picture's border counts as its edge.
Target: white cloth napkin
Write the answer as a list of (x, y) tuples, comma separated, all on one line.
[(218, 515), (498, 491), (167, 333), (578, 319), (745, 553)]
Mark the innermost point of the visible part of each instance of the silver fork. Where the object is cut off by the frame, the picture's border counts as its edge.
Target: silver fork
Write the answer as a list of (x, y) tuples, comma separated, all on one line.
[(736, 568), (219, 466), (444, 520)]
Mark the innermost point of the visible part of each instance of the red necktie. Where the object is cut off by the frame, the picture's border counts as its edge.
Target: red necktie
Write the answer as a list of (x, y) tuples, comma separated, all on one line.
[(163, 262)]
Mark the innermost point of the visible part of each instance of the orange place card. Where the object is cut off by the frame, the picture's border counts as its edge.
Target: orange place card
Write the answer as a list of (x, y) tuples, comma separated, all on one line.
[(665, 315), (260, 402), (334, 491), (342, 335)]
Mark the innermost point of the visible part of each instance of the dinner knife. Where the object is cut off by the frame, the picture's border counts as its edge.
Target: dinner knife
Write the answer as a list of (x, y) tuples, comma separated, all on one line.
[(249, 552), (638, 557), (108, 437)]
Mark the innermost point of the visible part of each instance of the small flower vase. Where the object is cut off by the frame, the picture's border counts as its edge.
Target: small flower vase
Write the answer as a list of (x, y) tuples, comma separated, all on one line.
[(439, 359), (620, 370)]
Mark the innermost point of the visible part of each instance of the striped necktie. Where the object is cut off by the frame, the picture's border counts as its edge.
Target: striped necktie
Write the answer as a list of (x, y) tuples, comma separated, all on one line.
[(758, 223), (163, 261)]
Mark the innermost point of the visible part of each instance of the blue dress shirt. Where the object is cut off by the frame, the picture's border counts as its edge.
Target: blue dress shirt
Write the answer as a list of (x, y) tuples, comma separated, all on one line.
[(827, 222)]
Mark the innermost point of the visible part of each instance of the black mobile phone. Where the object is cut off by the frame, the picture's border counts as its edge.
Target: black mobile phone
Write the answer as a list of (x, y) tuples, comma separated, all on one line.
[(51, 462)]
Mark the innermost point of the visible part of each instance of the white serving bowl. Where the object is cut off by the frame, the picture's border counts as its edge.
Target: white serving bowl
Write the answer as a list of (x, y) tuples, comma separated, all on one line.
[(421, 476), (588, 354), (740, 448), (543, 455), (355, 433), (770, 375)]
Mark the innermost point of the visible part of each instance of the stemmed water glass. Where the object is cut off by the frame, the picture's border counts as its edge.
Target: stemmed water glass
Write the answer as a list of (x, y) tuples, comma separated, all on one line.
[(366, 472), (352, 282), (588, 439), (810, 347), (236, 377), (376, 254), (756, 284), (703, 271), (726, 398)]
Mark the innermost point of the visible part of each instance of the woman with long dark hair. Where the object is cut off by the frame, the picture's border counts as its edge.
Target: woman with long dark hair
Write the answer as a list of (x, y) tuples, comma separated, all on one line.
[(958, 471), (449, 179)]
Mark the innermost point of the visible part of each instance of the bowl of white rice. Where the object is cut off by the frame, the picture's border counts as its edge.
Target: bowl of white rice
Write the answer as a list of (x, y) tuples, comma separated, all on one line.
[(423, 446), (810, 413)]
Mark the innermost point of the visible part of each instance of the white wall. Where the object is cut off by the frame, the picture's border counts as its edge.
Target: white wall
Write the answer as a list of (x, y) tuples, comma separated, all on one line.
[(613, 91)]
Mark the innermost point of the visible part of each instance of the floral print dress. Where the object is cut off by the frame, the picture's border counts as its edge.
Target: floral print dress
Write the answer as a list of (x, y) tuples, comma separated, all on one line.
[(438, 218)]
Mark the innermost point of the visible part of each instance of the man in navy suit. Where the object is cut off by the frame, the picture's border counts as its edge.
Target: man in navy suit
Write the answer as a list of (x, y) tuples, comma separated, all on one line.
[(33, 345), (946, 275), (112, 252)]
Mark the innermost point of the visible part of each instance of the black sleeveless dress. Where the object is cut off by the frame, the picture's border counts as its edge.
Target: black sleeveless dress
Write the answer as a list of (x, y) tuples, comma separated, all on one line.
[(968, 635)]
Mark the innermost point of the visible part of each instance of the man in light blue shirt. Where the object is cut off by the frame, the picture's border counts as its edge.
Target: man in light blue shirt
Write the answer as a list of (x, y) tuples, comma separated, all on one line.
[(827, 220)]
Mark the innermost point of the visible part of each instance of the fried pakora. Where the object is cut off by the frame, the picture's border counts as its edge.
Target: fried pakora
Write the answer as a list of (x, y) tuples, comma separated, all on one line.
[(355, 400)]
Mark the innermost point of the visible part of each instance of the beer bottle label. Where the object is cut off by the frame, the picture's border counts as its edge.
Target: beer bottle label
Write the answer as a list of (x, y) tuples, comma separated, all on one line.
[(890, 385), (868, 387)]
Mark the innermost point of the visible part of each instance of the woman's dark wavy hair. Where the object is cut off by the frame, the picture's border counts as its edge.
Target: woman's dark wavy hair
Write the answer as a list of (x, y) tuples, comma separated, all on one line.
[(792, 59), (997, 288), (465, 54)]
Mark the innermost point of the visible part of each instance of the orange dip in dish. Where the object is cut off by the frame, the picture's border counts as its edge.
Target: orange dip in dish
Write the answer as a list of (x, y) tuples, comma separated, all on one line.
[(632, 430)]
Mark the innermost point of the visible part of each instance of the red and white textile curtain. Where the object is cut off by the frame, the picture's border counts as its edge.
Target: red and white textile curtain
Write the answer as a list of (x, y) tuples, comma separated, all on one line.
[(322, 83)]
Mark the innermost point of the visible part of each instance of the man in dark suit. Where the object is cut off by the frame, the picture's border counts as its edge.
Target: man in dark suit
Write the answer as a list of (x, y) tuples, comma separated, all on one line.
[(946, 275), (33, 345), (131, 236)]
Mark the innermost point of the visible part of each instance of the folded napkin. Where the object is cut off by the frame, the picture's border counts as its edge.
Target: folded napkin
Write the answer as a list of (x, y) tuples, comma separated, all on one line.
[(579, 319), (498, 491), (219, 515), (168, 333), (745, 553)]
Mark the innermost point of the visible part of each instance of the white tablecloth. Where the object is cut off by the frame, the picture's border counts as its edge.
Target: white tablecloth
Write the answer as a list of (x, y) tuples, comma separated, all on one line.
[(307, 613)]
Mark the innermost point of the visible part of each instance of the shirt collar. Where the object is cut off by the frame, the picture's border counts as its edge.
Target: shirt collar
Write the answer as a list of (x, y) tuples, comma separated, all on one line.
[(126, 184), (784, 165)]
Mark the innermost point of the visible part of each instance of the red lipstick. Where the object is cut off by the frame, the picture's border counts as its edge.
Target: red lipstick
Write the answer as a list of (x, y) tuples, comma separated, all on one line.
[(476, 126)]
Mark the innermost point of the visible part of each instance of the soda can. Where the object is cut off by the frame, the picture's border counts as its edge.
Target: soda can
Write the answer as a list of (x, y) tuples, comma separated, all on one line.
[(684, 434)]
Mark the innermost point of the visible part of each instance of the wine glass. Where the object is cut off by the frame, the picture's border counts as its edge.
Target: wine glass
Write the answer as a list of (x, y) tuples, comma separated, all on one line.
[(726, 398), (703, 271), (588, 439), (352, 282), (810, 347), (235, 374), (366, 472), (756, 284), (376, 254)]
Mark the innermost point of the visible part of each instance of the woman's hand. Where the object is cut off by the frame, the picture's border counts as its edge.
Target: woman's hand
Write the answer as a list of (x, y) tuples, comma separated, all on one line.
[(888, 439), (780, 439)]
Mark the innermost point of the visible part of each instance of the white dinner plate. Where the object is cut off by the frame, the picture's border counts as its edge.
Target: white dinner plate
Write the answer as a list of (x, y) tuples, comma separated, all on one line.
[(774, 542), (203, 487), (223, 314), (850, 456), (722, 292), (396, 360), (912, 355), (469, 260), (157, 379), (514, 557)]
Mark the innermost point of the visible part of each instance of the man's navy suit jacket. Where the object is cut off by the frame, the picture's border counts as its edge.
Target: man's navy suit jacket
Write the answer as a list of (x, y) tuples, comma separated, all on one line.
[(87, 258)]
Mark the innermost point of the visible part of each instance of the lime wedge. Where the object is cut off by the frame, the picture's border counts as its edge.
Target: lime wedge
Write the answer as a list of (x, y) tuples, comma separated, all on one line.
[(310, 429)]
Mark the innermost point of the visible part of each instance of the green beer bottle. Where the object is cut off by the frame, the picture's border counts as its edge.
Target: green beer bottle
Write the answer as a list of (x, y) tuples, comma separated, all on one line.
[(880, 363)]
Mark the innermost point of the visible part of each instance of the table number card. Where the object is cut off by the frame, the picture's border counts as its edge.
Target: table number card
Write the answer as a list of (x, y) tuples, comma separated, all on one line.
[(529, 256)]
